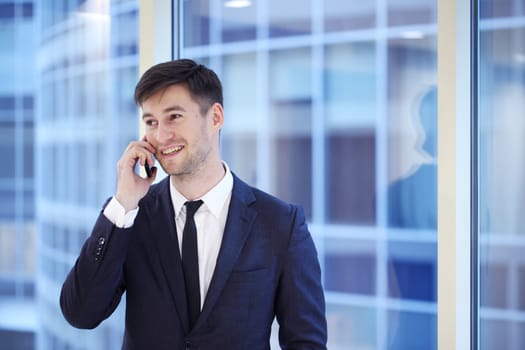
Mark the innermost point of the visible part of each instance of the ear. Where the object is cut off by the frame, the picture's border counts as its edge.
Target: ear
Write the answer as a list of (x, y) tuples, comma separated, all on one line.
[(217, 116)]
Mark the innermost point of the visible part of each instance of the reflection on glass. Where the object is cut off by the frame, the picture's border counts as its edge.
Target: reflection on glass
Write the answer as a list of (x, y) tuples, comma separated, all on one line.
[(412, 191), (501, 173), (412, 134), (412, 271)]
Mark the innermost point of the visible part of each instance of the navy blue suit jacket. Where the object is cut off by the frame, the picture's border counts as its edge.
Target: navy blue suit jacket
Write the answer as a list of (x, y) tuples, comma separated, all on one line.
[(267, 267)]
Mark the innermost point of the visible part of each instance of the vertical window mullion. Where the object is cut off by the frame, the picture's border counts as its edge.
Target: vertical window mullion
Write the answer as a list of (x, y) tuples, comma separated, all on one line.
[(454, 176)]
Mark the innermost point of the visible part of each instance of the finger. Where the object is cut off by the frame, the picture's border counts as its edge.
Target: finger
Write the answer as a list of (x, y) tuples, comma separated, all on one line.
[(148, 145), (139, 151), (140, 144)]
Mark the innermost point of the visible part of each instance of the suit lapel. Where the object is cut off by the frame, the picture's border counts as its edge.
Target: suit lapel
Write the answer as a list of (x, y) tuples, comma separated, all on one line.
[(162, 221), (238, 226)]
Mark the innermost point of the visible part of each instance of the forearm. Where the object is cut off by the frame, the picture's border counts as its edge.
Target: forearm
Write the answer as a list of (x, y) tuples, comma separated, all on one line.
[(94, 286)]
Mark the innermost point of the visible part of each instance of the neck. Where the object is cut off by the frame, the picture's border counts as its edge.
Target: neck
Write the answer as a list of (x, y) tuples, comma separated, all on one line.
[(196, 185)]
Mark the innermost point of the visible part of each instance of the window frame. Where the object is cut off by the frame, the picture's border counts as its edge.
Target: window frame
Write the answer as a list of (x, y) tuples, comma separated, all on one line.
[(457, 194)]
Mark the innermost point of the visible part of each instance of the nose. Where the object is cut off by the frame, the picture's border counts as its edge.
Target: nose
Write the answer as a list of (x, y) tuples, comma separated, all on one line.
[(163, 133)]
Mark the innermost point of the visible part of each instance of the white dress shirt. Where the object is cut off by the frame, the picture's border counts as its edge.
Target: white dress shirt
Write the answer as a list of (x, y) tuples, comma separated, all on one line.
[(210, 220)]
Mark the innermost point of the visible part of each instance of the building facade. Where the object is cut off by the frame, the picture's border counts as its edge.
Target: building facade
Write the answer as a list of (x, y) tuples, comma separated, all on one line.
[(17, 191), (87, 69)]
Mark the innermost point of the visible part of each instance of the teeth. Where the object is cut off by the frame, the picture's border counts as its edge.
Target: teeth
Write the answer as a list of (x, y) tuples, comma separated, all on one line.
[(172, 150)]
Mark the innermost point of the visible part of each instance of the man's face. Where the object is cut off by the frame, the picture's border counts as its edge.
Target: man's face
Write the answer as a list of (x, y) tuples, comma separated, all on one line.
[(185, 140)]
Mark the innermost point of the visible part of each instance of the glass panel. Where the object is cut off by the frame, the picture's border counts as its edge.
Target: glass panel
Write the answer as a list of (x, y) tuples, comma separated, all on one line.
[(17, 208), (17, 227), (348, 15), (351, 327), (239, 140), (290, 120), (288, 18), (60, 91), (350, 267), (406, 12), (124, 33), (501, 8), (350, 117), (402, 326), (196, 23), (500, 168), (343, 122), (238, 23), (412, 137), (412, 272), (8, 145)]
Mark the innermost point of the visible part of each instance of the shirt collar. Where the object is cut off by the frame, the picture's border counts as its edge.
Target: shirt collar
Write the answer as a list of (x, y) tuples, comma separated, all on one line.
[(214, 199)]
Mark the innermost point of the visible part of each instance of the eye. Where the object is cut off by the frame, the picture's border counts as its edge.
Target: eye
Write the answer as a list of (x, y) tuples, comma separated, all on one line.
[(174, 116), (150, 122)]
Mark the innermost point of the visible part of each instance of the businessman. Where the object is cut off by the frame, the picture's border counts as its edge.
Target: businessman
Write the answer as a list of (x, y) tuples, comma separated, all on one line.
[(206, 261)]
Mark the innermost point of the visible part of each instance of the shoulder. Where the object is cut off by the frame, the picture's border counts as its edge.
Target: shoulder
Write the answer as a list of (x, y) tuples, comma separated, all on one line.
[(264, 203)]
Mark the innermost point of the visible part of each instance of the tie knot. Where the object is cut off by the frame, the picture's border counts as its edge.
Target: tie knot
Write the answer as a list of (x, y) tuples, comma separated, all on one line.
[(191, 207)]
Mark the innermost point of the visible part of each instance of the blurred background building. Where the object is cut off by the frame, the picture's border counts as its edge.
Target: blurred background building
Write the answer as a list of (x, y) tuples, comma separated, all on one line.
[(329, 104), (87, 69), (18, 252)]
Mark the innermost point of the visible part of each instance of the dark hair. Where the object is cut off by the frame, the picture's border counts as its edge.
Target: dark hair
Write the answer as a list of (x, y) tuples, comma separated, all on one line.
[(203, 84)]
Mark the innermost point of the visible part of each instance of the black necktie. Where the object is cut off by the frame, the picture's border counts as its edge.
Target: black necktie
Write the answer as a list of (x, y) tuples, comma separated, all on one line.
[(190, 262)]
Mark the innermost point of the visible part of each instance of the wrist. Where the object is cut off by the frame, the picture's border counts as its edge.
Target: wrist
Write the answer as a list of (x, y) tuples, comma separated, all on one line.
[(127, 203), (116, 213)]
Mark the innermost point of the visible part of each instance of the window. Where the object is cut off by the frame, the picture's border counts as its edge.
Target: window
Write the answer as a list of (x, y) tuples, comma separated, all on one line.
[(333, 105)]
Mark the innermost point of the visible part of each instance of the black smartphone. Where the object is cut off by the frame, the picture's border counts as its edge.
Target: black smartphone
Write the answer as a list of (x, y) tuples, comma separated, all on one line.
[(147, 169)]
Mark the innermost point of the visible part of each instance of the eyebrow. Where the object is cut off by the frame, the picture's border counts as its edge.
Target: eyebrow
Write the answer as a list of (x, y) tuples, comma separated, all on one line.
[(175, 108)]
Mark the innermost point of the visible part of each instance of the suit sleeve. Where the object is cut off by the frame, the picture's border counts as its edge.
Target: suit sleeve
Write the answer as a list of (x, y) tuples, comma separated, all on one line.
[(94, 286), (300, 304)]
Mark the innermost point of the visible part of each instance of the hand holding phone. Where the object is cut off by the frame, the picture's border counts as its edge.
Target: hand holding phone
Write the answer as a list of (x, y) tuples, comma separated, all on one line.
[(131, 186)]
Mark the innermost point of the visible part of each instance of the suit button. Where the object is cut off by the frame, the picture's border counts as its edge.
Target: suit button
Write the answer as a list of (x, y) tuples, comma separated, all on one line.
[(101, 240)]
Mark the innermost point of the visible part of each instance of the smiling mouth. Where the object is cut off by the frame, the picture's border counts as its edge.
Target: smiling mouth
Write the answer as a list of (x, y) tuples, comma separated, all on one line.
[(172, 150)]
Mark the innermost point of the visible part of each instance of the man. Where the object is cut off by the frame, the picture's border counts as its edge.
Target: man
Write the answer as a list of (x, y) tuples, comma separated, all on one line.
[(253, 259)]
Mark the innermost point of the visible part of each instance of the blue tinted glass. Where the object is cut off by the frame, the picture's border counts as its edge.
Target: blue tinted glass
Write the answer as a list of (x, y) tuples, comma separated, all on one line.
[(60, 99), (501, 192)]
